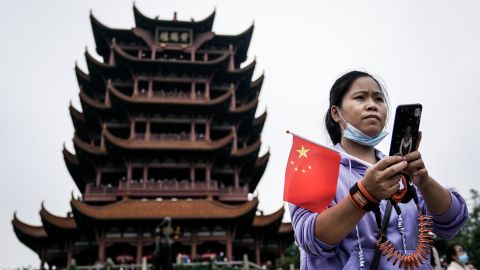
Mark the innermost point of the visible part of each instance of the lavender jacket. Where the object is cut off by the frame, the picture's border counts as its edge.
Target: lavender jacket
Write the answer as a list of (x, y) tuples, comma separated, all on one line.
[(315, 254)]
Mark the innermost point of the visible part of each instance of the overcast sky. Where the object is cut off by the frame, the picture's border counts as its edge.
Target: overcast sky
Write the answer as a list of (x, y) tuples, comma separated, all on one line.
[(424, 51)]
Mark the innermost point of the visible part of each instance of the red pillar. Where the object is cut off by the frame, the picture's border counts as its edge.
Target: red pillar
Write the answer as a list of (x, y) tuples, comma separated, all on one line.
[(231, 63), (207, 89), (101, 246), (129, 173), (98, 177), (229, 249), (233, 101), (235, 141), (69, 252), (135, 86), (107, 97), (257, 250), (236, 177), (139, 247), (208, 169), (145, 175), (42, 255), (207, 129), (193, 136), (148, 133), (193, 90), (132, 127), (192, 175), (193, 251), (150, 88)]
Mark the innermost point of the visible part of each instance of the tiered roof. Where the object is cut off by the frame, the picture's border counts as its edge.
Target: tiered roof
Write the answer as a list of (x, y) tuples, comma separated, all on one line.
[(218, 95)]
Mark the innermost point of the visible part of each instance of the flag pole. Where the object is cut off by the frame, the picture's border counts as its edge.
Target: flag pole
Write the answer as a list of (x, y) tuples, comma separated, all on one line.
[(333, 149)]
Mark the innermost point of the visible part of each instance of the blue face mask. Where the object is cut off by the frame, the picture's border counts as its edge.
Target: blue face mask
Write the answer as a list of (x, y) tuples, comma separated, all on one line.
[(355, 135), (463, 259)]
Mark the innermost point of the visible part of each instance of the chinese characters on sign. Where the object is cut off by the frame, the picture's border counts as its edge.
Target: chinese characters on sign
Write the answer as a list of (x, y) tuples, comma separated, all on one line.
[(178, 36)]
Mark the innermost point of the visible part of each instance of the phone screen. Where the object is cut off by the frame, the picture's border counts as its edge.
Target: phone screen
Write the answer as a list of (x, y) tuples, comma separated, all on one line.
[(405, 129)]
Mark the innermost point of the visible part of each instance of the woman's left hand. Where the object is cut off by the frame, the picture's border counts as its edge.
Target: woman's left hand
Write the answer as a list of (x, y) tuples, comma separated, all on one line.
[(416, 167)]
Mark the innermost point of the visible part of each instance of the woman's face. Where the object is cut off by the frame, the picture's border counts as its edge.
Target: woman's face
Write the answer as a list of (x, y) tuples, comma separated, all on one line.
[(459, 250), (364, 106)]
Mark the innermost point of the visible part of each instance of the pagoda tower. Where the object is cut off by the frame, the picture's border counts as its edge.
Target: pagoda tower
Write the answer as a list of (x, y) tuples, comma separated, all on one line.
[(167, 128)]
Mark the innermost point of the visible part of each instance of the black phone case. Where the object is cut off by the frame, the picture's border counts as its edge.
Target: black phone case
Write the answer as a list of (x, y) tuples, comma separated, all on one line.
[(405, 129)]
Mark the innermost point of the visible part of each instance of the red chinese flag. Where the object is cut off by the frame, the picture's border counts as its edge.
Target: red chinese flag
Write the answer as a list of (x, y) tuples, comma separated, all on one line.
[(311, 175)]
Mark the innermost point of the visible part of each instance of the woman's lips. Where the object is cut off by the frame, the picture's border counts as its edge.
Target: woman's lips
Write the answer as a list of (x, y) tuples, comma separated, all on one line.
[(376, 117)]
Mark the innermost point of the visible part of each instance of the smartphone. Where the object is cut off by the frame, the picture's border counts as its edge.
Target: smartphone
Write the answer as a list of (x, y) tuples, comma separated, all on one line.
[(405, 129)]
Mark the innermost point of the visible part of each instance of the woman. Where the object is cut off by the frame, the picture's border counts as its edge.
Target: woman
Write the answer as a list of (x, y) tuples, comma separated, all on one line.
[(406, 143), (457, 258), (344, 236)]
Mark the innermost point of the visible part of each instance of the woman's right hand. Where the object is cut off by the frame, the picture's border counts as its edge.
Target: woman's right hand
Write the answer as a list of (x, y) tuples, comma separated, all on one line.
[(382, 180)]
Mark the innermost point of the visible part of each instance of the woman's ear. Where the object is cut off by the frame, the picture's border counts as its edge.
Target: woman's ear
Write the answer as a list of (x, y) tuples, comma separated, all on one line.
[(335, 113)]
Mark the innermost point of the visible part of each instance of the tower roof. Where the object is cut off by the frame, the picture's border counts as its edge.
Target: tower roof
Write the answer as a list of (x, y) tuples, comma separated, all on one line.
[(163, 64), (64, 223), (129, 209), (142, 21), (266, 220), (29, 230), (169, 145), (165, 103)]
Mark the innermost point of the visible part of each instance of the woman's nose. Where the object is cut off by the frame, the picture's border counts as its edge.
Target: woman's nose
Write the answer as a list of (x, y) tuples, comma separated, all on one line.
[(371, 106)]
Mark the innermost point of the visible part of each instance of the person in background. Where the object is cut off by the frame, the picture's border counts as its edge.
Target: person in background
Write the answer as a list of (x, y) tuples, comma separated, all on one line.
[(435, 260), (457, 258)]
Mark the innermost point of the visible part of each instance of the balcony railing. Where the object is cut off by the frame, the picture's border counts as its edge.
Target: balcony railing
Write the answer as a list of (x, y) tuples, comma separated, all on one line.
[(165, 188), (183, 136)]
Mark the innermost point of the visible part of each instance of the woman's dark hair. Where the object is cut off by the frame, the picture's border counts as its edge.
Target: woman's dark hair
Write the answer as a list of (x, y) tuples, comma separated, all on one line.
[(450, 252), (338, 91)]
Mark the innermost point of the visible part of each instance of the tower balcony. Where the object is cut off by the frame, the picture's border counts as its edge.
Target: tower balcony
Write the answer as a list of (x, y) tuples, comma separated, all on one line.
[(165, 188)]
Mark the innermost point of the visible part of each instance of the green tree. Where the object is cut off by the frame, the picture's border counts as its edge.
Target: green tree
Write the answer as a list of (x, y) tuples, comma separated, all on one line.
[(291, 256)]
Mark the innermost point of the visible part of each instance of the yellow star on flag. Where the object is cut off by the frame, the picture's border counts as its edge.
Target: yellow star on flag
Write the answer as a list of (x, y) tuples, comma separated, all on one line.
[(303, 152)]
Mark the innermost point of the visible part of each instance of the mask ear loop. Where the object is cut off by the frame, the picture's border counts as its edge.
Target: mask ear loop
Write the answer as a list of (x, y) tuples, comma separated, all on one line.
[(341, 116)]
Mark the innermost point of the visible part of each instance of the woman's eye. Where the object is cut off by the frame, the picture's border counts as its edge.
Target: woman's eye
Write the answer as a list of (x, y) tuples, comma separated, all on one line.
[(358, 97), (380, 99)]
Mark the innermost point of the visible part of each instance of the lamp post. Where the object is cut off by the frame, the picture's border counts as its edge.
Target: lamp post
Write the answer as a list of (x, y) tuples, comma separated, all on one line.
[(162, 257)]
